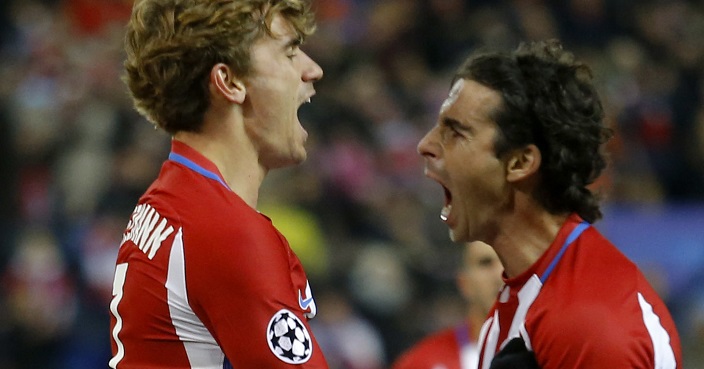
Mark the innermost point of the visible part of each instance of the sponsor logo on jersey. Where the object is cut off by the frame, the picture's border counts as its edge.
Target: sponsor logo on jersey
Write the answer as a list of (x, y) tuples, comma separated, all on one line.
[(307, 303), (288, 338), (304, 303), (147, 229)]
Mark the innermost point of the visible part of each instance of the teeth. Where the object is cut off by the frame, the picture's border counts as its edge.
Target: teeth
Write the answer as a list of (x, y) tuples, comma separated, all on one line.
[(308, 100), (445, 212)]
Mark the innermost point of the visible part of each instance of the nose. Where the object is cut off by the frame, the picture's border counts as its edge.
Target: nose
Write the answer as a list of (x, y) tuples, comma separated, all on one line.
[(427, 147), (312, 72)]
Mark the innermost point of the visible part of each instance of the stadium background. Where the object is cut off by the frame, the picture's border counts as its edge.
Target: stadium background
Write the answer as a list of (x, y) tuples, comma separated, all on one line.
[(74, 158)]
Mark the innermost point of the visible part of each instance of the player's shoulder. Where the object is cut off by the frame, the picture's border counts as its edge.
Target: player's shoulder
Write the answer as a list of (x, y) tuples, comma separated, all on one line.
[(591, 263), (437, 348), (215, 224), (586, 332), (592, 335), (592, 296), (206, 208), (592, 277), (185, 187), (442, 338)]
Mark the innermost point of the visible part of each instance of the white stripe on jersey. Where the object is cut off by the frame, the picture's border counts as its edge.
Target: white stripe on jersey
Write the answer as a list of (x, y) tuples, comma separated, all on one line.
[(202, 349), (491, 335), (118, 285), (492, 327), (664, 356), (483, 334), (526, 297)]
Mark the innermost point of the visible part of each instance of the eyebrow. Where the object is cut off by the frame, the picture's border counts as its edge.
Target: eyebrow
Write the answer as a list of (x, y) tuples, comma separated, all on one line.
[(454, 124), (294, 41)]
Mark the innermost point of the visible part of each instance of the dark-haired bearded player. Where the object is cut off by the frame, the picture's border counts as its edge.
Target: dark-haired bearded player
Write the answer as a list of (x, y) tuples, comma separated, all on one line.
[(516, 144), (203, 280)]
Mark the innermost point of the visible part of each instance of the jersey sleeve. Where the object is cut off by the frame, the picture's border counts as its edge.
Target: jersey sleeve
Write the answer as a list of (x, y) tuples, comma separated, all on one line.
[(241, 287)]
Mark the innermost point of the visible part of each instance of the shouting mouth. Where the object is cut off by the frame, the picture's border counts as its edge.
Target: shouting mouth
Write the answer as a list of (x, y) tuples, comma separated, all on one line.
[(447, 208)]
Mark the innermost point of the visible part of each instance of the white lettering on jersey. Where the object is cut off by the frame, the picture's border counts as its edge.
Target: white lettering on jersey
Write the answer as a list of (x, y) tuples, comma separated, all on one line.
[(146, 230)]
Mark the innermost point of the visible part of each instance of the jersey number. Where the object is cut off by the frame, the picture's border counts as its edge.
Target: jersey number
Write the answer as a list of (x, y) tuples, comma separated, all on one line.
[(117, 292)]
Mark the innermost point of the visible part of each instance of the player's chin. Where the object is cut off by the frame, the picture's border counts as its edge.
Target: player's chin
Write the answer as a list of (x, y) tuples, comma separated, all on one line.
[(300, 157), (453, 235), (297, 156), (457, 234), (300, 153), (292, 157)]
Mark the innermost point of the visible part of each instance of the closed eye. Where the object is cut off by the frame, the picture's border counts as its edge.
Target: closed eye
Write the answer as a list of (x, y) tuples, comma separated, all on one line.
[(486, 261), (454, 127), (293, 46)]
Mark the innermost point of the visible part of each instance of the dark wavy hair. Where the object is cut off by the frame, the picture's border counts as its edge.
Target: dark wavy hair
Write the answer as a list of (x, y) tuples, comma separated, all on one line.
[(171, 46), (548, 99)]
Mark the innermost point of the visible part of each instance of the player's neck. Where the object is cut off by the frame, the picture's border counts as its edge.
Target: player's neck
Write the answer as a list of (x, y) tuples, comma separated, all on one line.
[(476, 319), (524, 238), (235, 158)]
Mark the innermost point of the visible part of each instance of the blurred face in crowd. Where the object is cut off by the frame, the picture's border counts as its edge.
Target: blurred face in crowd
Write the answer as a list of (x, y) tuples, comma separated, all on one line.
[(281, 81), (480, 278), (459, 154)]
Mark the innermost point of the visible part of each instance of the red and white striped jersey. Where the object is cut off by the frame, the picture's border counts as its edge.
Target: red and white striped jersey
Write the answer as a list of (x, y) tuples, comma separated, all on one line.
[(584, 305), (205, 281)]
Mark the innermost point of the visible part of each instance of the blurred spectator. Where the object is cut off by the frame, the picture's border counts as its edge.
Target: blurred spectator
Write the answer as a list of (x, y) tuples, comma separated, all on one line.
[(41, 301), (695, 340), (348, 340), (479, 281)]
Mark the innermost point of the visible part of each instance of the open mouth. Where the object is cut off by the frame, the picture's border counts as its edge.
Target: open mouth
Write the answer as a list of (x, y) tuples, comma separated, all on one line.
[(301, 105), (304, 102), (447, 208)]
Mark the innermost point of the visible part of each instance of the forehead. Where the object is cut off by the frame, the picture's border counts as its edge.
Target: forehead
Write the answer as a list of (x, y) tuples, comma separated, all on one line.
[(452, 96), (469, 100), (269, 46), (281, 28)]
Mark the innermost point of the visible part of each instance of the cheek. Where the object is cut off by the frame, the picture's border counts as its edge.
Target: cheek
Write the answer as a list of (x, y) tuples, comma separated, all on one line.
[(485, 287), (477, 177)]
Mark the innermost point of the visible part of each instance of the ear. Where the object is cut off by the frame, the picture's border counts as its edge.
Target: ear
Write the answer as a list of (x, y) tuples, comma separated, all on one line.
[(523, 163), (226, 84)]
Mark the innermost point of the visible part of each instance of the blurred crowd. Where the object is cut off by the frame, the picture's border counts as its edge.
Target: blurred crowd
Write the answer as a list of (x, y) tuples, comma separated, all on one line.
[(75, 157)]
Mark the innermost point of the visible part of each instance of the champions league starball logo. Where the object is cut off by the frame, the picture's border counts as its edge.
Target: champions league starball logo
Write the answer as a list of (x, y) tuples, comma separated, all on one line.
[(288, 338)]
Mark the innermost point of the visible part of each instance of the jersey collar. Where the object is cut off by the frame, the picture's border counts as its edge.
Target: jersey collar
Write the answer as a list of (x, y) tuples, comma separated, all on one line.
[(568, 233), (192, 159)]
